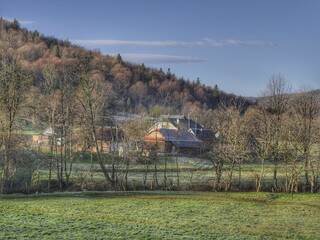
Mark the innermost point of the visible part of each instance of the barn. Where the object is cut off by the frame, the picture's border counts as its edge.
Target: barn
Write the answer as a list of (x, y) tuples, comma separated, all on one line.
[(173, 141)]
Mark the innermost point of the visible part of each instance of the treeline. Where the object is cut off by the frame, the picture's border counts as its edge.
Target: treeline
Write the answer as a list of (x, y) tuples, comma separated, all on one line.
[(281, 130)]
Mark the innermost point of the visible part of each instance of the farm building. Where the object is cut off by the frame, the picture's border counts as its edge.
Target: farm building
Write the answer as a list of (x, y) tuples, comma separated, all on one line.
[(170, 140), (205, 135), (45, 136), (178, 133), (108, 139), (177, 122)]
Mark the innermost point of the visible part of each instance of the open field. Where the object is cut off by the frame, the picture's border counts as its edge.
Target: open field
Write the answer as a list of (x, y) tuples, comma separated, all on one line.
[(160, 215)]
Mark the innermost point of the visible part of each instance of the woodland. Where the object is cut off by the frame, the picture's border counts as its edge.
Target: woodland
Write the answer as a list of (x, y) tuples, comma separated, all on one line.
[(271, 144)]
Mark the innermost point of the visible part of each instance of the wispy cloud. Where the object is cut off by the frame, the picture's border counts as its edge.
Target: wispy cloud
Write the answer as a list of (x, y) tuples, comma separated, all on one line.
[(159, 58), (27, 22), (236, 43), (200, 43), (137, 43), (22, 22)]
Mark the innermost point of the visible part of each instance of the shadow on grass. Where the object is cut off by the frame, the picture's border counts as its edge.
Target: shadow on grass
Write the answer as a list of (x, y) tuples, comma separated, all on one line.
[(98, 194)]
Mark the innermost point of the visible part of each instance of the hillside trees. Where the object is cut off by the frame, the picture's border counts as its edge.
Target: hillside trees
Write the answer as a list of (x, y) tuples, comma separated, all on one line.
[(138, 93), (14, 84), (121, 79), (37, 50)]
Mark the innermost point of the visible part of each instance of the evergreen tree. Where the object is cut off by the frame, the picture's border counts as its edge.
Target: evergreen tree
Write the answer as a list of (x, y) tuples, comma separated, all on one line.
[(15, 24), (215, 90)]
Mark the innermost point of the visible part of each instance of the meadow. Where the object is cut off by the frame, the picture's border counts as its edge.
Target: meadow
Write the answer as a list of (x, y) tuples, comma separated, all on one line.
[(160, 215)]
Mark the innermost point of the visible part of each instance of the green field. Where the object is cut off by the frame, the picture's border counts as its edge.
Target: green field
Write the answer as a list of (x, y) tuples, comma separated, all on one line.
[(160, 215)]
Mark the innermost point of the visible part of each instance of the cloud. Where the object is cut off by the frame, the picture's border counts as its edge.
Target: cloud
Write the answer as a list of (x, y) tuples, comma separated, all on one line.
[(233, 42), (159, 58), (200, 43), (237, 43), (22, 22), (137, 43), (27, 22)]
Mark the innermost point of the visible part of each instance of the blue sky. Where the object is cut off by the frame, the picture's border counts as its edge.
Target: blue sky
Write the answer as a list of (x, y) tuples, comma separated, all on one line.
[(236, 44)]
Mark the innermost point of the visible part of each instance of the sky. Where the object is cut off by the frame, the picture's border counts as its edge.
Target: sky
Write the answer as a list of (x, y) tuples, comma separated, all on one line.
[(236, 44)]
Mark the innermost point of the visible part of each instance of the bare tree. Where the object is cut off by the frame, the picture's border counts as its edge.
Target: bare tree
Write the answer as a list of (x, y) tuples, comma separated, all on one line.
[(304, 115), (233, 137), (273, 106), (260, 126), (292, 156), (59, 111), (94, 98), (14, 82), (50, 110)]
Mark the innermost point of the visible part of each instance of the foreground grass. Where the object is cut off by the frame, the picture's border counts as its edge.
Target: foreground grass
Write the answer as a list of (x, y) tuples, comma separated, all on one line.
[(160, 215)]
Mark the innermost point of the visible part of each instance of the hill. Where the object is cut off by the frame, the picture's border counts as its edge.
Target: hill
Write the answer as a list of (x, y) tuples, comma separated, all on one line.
[(135, 88)]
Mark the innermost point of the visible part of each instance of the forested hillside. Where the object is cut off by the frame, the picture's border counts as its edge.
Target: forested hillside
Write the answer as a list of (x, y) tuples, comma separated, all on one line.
[(135, 88)]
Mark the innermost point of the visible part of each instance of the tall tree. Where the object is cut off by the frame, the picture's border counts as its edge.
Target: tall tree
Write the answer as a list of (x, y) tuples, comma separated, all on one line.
[(233, 139), (14, 82), (59, 111), (50, 112), (95, 99), (306, 107), (273, 106)]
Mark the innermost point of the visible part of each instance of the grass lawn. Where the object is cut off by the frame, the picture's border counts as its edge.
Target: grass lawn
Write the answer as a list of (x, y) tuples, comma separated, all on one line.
[(160, 215)]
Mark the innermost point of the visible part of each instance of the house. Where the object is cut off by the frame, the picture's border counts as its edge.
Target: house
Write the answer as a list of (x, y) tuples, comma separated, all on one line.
[(171, 141), (108, 139), (178, 133), (177, 122), (44, 137), (205, 135)]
